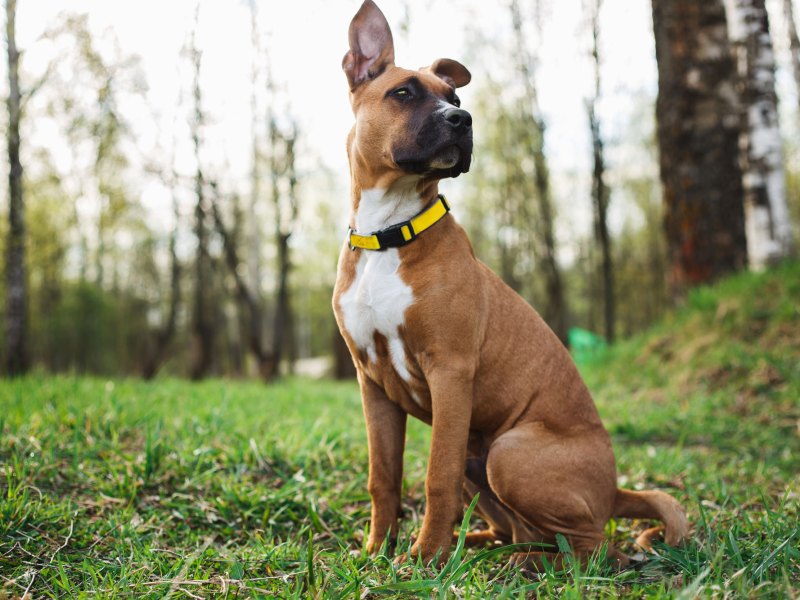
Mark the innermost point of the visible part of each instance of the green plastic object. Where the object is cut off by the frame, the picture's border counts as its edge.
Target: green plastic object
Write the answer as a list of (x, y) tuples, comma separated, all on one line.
[(585, 345)]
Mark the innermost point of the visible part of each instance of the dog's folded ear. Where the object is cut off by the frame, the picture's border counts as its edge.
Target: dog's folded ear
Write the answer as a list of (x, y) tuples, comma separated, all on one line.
[(453, 72), (371, 45)]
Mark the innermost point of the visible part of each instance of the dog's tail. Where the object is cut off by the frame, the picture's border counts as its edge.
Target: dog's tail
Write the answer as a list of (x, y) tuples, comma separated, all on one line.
[(653, 505)]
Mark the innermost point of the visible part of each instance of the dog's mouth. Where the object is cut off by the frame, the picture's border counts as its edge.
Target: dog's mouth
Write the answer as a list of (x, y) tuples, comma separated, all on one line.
[(453, 159), (447, 158)]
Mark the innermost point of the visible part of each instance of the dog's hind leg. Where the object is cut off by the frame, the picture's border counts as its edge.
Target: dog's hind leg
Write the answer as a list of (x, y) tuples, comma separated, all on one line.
[(490, 510), (556, 483), (504, 525)]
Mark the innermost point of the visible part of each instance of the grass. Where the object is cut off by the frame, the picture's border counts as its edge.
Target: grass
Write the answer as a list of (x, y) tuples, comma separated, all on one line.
[(233, 489)]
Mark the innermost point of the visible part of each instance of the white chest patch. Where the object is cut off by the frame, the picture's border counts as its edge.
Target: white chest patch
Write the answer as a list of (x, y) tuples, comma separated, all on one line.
[(377, 299), (376, 302)]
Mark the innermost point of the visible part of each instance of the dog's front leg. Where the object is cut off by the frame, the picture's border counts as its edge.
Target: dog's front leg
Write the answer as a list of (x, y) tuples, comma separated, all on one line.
[(451, 399), (386, 433)]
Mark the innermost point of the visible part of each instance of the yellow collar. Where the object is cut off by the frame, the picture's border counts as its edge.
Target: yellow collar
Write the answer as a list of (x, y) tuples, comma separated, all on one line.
[(400, 234)]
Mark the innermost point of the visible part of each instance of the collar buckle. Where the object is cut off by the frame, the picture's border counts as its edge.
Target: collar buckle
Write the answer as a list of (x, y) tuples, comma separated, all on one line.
[(396, 235)]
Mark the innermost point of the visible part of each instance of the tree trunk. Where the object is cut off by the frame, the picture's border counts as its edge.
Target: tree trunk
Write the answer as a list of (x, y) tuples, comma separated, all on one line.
[(269, 360), (555, 312), (254, 236), (266, 361), (769, 232), (794, 42), (202, 315), (698, 133), (600, 197), (284, 224), (600, 193), (202, 328), (165, 335), (17, 359), (281, 330)]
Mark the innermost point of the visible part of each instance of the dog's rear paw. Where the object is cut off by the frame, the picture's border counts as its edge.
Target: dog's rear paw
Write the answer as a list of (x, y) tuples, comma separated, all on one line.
[(427, 557), (477, 538)]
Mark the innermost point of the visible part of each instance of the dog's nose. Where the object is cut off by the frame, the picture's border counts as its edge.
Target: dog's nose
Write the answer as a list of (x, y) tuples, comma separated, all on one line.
[(458, 119)]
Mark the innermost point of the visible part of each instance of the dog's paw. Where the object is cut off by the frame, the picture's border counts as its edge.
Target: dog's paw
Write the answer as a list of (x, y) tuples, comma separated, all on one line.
[(384, 544), (430, 554), (373, 546)]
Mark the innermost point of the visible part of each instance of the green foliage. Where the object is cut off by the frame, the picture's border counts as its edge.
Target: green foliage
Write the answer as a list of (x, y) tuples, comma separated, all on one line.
[(792, 166), (82, 327), (122, 487), (89, 330)]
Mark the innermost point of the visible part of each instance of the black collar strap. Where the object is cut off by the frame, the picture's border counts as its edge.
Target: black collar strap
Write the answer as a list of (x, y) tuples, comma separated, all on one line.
[(400, 234)]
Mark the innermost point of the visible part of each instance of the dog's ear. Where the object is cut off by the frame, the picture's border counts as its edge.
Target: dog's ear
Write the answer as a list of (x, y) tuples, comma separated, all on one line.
[(371, 45), (453, 72)]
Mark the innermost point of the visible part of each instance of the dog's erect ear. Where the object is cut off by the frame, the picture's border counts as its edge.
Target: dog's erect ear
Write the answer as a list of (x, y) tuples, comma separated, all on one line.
[(453, 72), (371, 45)]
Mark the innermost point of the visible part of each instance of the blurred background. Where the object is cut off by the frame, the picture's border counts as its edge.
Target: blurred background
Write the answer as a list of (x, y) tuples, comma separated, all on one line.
[(178, 190)]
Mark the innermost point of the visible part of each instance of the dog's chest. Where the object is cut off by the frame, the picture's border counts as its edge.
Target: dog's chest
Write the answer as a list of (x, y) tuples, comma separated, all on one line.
[(376, 302)]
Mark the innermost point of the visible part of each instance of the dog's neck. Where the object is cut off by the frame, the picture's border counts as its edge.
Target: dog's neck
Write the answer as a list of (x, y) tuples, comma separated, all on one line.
[(375, 208)]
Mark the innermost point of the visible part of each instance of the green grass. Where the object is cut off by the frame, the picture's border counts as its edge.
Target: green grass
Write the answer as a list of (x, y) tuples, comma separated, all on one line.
[(174, 489)]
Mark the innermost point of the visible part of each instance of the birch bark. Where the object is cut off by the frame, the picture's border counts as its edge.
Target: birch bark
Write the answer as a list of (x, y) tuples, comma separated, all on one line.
[(794, 41), (767, 222)]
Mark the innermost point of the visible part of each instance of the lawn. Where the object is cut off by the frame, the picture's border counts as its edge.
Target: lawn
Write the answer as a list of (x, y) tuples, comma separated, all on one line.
[(227, 488)]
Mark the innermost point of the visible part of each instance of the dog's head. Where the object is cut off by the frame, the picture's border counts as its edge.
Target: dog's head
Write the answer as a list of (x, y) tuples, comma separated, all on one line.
[(407, 122)]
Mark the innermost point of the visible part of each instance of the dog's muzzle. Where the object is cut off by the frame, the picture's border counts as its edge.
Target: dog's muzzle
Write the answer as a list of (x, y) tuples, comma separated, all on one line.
[(443, 146)]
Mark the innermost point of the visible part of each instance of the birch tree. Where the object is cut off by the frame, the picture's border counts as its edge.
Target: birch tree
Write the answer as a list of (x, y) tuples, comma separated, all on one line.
[(794, 41), (698, 135), (769, 233)]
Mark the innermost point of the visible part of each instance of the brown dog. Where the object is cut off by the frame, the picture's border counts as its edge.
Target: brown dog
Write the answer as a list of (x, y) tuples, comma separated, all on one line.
[(435, 334)]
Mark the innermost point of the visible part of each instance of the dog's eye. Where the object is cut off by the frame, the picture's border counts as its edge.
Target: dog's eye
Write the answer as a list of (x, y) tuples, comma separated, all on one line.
[(455, 101), (403, 93)]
